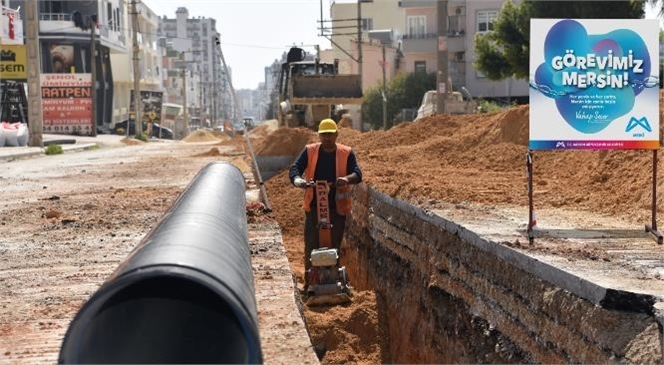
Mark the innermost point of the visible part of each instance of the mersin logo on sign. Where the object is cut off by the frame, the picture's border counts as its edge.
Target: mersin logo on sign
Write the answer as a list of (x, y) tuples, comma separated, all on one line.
[(643, 123)]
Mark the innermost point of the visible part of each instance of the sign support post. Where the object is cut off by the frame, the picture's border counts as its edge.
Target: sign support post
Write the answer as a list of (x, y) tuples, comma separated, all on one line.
[(652, 228), (531, 211)]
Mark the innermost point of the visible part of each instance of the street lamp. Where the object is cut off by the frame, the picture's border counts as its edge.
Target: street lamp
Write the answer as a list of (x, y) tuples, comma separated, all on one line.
[(385, 37)]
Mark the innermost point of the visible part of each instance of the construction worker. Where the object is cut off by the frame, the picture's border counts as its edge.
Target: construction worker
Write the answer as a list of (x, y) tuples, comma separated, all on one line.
[(335, 163)]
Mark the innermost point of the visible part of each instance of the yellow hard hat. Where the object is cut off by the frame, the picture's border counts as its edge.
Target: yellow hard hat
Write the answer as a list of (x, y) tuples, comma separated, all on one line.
[(327, 126)]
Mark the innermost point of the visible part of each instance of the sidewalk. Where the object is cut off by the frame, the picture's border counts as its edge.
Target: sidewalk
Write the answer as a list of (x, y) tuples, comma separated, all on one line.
[(68, 143)]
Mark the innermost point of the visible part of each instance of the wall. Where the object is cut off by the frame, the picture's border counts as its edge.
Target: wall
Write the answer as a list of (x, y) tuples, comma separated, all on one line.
[(481, 86), (450, 296), (386, 14)]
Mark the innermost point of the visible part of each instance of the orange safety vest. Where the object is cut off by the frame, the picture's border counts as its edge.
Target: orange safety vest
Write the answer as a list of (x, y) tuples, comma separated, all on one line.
[(343, 194)]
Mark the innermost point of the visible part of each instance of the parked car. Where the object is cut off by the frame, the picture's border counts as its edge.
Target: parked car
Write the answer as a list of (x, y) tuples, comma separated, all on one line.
[(157, 130)]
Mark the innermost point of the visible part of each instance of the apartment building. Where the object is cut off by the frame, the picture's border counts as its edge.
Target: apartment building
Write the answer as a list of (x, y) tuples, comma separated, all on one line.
[(197, 40), (376, 15), (480, 15), (415, 42), (65, 31), (14, 66), (150, 71), (64, 38)]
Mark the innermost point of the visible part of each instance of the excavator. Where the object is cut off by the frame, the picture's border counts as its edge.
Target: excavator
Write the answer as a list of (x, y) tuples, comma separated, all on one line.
[(310, 90)]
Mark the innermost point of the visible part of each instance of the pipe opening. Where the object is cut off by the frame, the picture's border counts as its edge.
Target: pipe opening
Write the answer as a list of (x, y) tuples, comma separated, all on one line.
[(163, 320)]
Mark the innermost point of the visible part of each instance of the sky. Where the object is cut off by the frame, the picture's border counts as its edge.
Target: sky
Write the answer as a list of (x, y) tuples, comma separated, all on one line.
[(255, 32)]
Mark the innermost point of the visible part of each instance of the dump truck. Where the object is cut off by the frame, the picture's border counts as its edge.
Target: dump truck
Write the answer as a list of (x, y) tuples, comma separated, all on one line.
[(310, 90)]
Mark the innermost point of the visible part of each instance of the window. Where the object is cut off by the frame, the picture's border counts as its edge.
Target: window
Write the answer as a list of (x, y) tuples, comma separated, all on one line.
[(367, 24), (485, 19), (109, 15), (417, 26), (421, 66), (117, 19)]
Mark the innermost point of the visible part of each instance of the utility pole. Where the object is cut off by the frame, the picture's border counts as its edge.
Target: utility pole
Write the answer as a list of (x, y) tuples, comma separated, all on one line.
[(236, 106), (384, 90), (35, 123), (214, 92), (184, 96), (137, 78), (442, 73), (359, 52), (93, 75), (201, 102)]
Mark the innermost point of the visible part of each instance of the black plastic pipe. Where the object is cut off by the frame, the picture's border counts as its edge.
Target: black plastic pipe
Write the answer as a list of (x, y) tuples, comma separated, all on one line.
[(185, 294)]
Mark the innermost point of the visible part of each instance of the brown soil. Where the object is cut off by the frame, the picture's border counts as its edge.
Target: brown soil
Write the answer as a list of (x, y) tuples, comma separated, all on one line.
[(435, 161), (201, 136), (474, 159), (131, 141), (285, 141)]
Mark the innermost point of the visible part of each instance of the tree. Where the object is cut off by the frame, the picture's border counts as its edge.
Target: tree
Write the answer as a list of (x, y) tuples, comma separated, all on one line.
[(405, 91), (505, 51)]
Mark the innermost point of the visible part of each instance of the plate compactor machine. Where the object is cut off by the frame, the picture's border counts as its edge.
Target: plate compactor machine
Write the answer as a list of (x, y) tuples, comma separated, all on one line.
[(328, 284)]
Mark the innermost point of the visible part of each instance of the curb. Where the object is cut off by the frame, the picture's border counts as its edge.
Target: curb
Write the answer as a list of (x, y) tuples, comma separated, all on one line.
[(39, 151)]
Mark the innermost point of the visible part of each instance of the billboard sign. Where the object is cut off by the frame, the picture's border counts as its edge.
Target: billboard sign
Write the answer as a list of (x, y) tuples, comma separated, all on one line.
[(152, 103), (67, 103), (594, 84), (13, 62)]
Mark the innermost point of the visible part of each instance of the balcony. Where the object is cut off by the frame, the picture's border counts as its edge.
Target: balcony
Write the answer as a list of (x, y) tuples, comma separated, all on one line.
[(426, 42), (60, 23), (456, 43), (417, 3), (64, 23)]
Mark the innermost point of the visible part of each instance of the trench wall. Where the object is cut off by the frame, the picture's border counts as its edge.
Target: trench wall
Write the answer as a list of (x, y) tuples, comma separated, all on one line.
[(447, 295)]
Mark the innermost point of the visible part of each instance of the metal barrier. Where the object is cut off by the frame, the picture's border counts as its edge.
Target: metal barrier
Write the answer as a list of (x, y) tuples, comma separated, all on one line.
[(185, 294)]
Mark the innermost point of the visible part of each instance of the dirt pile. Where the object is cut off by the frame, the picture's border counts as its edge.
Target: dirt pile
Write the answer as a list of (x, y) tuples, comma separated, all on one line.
[(214, 151), (456, 159), (131, 141), (221, 135), (200, 136), (346, 121), (285, 142), (264, 129), (481, 159)]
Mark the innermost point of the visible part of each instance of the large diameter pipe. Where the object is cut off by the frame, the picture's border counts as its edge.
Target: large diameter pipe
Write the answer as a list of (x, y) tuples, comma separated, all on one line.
[(185, 294)]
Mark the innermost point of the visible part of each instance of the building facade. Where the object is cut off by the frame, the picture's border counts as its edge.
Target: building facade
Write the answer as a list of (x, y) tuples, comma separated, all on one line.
[(197, 40), (65, 32), (150, 71), (377, 15), (415, 42)]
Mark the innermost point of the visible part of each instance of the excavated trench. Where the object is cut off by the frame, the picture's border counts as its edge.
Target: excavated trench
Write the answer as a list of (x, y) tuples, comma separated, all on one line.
[(445, 295), (430, 291)]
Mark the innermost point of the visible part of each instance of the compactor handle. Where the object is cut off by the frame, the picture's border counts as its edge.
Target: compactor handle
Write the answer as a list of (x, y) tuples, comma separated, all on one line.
[(312, 183)]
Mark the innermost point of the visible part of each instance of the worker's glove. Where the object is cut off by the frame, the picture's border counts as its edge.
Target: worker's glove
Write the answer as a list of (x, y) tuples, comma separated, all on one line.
[(341, 181), (300, 182)]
